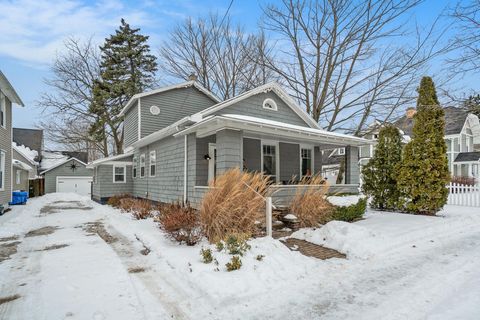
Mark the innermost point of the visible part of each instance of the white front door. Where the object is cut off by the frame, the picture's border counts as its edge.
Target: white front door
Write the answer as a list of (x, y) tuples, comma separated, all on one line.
[(79, 185), (212, 162)]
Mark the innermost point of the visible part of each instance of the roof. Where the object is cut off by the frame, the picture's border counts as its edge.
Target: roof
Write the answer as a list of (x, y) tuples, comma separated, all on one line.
[(214, 123), (9, 91), (168, 88), (272, 86), (454, 121), (21, 165), (467, 156), (27, 153), (61, 163), (31, 138), (112, 158)]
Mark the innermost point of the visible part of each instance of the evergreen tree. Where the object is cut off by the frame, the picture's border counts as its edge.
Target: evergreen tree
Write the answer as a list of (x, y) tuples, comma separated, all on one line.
[(127, 68), (380, 174), (424, 170)]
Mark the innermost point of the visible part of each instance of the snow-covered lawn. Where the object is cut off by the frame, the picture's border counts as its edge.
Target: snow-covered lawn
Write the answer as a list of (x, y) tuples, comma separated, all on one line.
[(398, 267)]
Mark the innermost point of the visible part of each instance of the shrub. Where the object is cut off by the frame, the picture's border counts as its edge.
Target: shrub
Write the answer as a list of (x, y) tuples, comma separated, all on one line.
[(237, 244), (233, 204), (309, 204), (180, 222), (260, 257), (116, 199), (207, 256), (139, 208), (219, 245), (380, 174), (234, 264), (352, 212), (467, 181)]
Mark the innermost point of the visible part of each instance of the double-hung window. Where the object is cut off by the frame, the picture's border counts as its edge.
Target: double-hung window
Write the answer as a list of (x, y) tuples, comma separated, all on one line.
[(306, 157), (134, 167), (119, 174), (3, 112), (270, 161), (2, 170), (153, 163), (18, 176), (142, 165)]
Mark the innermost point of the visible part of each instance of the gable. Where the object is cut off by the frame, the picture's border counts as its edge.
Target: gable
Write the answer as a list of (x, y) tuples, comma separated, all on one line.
[(65, 169), (253, 106), (174, 105)]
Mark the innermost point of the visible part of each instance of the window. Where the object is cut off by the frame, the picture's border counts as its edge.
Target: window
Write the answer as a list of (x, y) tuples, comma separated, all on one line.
[(119, 174), (341, 151), (2, 170), (3, 113), (18, 176), (306, 157), (134, 167), (270, 104), (142, 165), (153, 163), (270, 161)]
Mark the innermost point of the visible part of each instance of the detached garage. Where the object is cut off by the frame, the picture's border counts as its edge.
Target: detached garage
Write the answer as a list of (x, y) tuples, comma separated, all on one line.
[(70, 175)]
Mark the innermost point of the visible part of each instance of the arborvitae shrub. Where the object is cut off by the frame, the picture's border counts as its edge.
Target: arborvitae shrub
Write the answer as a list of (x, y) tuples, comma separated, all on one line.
[(234, 264), (352, 212)]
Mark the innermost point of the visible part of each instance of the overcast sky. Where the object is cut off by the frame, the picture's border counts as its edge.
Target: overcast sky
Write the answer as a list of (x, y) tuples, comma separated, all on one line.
[(33, 31)]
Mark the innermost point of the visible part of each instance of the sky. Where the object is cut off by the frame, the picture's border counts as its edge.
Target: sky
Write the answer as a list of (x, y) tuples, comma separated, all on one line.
[(32, 33)]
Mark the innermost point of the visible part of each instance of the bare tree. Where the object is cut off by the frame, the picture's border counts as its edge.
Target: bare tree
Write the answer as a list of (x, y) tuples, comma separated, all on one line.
[(349, 61), (66, 104), (467, 39), (226, 60)]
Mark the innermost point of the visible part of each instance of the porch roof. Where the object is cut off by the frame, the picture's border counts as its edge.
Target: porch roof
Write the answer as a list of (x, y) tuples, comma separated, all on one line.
[(210, 125)]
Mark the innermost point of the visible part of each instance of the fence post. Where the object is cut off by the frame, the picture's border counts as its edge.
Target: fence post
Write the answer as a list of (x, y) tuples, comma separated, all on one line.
[(268, 213)]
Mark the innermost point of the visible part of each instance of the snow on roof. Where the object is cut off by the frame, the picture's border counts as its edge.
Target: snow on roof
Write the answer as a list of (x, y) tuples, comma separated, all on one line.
[(111, 158), (51, 159), (21, 165), (28, 153)]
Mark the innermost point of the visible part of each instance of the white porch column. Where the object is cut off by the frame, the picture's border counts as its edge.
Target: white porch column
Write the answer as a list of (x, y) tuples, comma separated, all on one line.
[(229, 150), (352, 170)]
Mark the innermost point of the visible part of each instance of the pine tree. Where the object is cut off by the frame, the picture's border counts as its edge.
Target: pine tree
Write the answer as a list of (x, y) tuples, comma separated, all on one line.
[(380, 174), (127, 68), (424, 170)]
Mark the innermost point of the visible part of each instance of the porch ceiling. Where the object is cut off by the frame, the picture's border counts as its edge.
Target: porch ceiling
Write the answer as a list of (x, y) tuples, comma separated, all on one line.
[(257, 126)]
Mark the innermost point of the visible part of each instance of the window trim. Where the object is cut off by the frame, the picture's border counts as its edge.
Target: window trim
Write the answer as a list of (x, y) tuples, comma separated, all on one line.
[(3, 155), (18, 176), (3, 107), (124, 173), (312, 163), (142, 156), (154, 152), (272, 103), (134, 168), (341, 151), (277, 157)]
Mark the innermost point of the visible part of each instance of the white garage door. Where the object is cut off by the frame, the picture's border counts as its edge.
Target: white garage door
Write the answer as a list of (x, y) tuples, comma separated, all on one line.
[(80, 185)]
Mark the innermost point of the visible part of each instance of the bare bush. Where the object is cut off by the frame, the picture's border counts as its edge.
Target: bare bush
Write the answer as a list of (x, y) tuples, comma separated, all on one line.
[(139, 208), (180, 222), (115, 201), (468, 181), (233, 203), (310, 204)]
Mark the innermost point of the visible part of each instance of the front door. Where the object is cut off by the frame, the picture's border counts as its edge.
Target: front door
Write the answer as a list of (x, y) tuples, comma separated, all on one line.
[(212, 162)]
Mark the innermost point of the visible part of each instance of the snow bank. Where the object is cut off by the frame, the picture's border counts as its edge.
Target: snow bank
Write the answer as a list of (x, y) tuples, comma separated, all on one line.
[(344, 201)]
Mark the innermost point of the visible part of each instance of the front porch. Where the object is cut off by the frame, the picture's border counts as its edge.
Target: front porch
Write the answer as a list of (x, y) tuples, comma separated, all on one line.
[(284, 156)]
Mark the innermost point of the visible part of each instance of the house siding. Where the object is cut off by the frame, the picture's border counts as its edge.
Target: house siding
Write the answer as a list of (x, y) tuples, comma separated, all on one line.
[(229, 150), (201, 165), (130, 126), (64, 170), (253, 106), (174, 105), (6, 146), (23, 185), (103, 186)]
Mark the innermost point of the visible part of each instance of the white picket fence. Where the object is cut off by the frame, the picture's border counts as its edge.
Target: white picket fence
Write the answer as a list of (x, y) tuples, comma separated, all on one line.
[(463, 195)]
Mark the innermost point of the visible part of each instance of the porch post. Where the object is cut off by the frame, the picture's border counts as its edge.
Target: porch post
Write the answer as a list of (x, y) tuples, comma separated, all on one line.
[(229, 150), (352, 171)]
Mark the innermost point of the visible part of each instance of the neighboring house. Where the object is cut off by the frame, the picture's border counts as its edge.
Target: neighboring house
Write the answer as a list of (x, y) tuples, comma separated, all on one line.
[(62, 172), (8, 96), (179, 138), (462, 133), (25, 169)]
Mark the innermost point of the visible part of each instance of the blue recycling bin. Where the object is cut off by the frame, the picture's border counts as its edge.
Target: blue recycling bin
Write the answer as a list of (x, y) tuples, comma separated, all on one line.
[(19, 197)]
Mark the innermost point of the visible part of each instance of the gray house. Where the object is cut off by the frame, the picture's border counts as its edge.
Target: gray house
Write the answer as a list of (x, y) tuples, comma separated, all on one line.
[(179, 138), (8, 96)]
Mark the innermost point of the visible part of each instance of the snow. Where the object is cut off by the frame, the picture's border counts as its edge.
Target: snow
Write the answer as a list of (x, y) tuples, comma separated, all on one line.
[(398, 266), (344, 201), (290, 216), (26, 152), (51, 159)]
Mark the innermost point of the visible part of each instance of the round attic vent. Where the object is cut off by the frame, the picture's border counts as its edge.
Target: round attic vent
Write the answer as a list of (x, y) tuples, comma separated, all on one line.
[(269, 104), (154, 110)]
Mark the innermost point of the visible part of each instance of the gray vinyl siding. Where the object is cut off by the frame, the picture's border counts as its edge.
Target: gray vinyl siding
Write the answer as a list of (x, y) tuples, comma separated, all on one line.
[(289, 161), (201, 165), (252, 154), (103, 186), (167, 185), (317, 160), (253, 106), (130, 126), (23, 185), (64, 170), (18, 156), (229, 150), (174, 105), (6, 146)]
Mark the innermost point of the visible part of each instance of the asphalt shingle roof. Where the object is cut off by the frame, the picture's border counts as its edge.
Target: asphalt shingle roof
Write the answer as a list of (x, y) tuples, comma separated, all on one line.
[(467, 156)]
